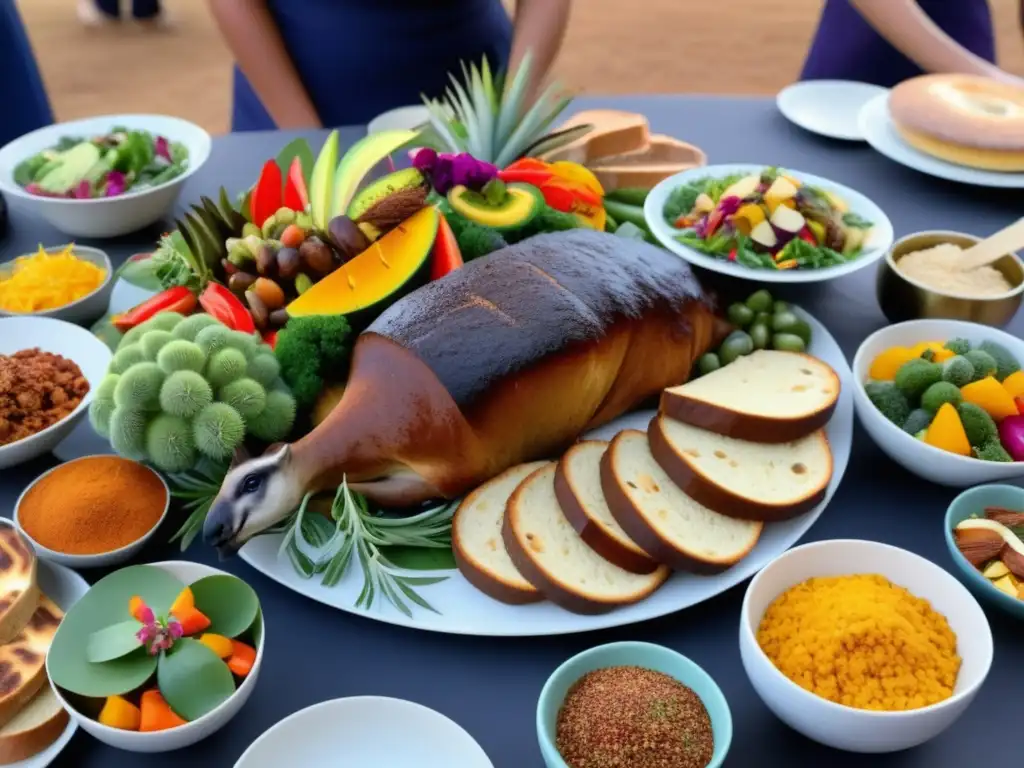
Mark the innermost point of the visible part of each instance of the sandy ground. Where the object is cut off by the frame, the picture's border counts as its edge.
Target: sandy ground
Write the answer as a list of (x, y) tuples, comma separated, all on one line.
[(728, 46)]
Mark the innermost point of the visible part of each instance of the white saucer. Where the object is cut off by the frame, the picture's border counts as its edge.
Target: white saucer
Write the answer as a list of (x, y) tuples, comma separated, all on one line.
[(365, 732), (827, 107), (400, 118)]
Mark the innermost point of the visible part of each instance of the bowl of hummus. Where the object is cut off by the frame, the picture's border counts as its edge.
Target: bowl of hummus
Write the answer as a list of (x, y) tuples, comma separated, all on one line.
[(920, 279)]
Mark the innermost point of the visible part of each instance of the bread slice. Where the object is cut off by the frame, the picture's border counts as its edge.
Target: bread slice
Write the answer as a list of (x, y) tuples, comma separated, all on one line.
[(34, 728), (548, 552), (19, 592), (751, 481), (24, 659), (765, 397), (677, 530), (579, 494), (661, 157), (476, 539), (614, 133)]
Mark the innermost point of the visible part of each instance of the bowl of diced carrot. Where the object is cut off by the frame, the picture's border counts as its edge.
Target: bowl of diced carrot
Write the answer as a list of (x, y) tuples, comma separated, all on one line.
[(945, 399)]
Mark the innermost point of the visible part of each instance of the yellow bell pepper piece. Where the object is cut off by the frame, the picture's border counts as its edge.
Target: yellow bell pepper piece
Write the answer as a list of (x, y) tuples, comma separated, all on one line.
[(1014, 384), (885, 365), (989, 394), (578, 174), (947, 432), (219, 644), (120, 713)]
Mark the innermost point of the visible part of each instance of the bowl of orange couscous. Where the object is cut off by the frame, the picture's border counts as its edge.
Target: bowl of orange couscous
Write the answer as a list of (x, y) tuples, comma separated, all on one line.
[(862, 646)]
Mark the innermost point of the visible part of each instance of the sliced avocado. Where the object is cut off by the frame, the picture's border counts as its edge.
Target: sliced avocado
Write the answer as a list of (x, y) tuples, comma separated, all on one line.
[(742, 188), (75, 165), (320, 183), (360, 158), (520, 204), (399, 183)]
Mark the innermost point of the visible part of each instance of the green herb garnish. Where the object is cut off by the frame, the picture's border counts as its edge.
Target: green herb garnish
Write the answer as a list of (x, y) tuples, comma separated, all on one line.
[(857, 222)]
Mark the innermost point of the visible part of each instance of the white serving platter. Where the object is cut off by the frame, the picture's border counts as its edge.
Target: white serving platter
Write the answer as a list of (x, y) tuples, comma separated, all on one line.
[(878, 241), (878, 129), (464, 610), (827, 107)]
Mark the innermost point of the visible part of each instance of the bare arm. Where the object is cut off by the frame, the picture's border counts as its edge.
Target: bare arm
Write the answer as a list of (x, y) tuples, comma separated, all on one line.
[(909, 29), (539, 28), (253, 38)]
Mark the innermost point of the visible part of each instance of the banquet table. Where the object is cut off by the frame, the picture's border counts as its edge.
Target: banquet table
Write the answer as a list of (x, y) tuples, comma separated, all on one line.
[(490, 685)]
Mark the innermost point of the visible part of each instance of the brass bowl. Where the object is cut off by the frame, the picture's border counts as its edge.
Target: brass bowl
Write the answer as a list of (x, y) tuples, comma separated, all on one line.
[(902, 298)]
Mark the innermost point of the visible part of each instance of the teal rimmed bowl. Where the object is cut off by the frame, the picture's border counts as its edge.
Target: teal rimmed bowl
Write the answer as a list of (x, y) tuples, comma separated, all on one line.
[(649, 656), (973, 502)]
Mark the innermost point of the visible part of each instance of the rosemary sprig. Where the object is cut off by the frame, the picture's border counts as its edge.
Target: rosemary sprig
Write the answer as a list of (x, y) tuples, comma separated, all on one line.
[(197, 488), (317, 547)]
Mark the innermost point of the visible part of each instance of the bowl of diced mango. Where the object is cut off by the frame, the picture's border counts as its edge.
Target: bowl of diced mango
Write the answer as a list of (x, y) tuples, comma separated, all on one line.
[(67, 282)]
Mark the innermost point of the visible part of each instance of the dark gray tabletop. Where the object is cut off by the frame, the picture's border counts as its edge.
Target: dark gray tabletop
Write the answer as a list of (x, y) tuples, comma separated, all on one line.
[(490, 686)]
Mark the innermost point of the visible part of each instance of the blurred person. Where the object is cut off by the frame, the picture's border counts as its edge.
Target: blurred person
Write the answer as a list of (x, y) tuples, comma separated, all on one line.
[(22, 87), (96, 12), (888, 41), (315, 63)]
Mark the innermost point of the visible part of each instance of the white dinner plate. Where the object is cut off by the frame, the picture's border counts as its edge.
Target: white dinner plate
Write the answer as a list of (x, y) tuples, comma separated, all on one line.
[(879, 131), (827, 107), (878, 241), (462, 609), (365, 732)]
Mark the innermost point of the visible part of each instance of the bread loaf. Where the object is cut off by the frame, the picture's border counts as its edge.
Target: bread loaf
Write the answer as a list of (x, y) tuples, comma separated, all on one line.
[(34, 728), (24, 659), (19, 592)]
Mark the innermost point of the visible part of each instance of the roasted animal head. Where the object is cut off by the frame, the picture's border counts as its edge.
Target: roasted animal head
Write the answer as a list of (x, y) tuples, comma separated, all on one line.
[(256, 494)]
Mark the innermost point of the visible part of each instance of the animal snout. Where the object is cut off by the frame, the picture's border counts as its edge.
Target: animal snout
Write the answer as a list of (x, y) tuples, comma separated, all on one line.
[(219, 526)]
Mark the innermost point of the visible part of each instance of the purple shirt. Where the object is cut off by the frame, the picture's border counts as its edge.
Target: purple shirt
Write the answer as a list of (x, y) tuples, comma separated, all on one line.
[(846, 47)]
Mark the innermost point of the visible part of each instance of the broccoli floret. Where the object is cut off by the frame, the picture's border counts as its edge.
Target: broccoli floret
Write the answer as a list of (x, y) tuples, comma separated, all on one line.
[(928, 354), (889, 400), (984, 364), (992, 451), (1006, 363), (915, 376), (918, 420), (311, 349), (978, 425), (939, 393), (958, 346), (958, 371), (474, 240)]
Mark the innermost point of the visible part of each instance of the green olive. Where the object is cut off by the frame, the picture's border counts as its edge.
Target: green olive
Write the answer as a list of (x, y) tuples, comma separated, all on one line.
[(740, 315), (760, 301), (763, 317), (708, 362), (760, 335), (788, 342), (736, 344), (780, 306), (787, 322)]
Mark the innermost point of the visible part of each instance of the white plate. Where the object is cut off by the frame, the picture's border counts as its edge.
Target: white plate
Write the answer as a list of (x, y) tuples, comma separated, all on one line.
[(827, 107), (465, 610), (878, 129), (65, 588), (400, 118), (878, 241), (365, 732)]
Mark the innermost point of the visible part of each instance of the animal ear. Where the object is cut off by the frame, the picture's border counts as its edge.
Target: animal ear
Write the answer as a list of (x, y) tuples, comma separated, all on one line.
[(277, 448), (240, 456)]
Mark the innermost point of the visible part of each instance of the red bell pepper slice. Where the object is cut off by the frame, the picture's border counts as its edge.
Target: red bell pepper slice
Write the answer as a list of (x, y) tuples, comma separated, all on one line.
[(296, 197), (446, 256), (715, 219), (177, 299), (270, 339), (529, 164), (807, 236), (525, 176), (732, 254), (266, 197), (221, 304), (558, 197)]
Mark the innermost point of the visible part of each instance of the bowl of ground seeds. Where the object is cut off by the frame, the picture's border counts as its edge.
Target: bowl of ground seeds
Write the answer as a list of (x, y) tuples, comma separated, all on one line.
[(632, 705), (96, 511), (862, 646)]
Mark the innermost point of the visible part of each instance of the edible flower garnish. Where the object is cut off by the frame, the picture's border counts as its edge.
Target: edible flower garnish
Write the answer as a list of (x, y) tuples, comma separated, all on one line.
[(156, 634), (449, 170)]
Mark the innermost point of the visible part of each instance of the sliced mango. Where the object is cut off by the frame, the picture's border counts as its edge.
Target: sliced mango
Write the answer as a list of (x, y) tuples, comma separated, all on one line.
[(885, 364), (1014, 384), (989, 394), (747, 217), (947, 432), (120, 713)]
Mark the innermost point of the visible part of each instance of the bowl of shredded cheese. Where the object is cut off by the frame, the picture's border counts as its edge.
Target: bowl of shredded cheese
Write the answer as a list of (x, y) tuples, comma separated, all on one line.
[(863, 646), (67, 282)]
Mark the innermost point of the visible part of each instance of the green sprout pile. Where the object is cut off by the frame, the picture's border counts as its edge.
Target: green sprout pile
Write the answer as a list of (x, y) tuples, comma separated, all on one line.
[(182, 388)]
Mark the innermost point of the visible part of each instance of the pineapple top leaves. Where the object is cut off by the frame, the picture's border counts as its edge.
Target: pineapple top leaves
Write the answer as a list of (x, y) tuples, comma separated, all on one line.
[(485, 115)]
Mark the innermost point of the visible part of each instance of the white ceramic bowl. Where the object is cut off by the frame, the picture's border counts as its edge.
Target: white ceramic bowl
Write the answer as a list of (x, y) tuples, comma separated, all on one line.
[(71, 341), (90, 307), (377, 731), (924, 460), (190, 733), (111, 216), (103, 560), (843, 727)]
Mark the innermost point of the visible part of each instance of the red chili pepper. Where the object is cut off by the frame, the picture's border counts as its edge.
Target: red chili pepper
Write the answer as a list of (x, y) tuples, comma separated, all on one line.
[(270, 338), (525, 176), (732, 255), (296, 197), (177, 299), (529, 164), (221, 304), (266, 197), (446, 256), (807, 236)]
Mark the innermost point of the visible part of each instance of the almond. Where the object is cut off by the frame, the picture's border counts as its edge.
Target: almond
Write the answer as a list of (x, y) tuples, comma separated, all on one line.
[(978, 545)]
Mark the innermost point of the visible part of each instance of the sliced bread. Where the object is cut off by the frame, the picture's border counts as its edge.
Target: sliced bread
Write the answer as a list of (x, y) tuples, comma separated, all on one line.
[(661, 157), (476, 539), (24, 659), (614, 133), (751, 481), (765, 397), (34, 728), (578, 489), (677, 530), (19, 593), (546, 549)]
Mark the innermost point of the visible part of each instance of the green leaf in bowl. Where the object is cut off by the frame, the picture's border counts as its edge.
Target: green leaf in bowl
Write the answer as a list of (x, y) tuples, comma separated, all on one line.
[(193, 679), (228, 602)]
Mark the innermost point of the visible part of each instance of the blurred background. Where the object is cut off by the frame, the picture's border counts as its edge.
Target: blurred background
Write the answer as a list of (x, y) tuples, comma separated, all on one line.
[(728, 46)]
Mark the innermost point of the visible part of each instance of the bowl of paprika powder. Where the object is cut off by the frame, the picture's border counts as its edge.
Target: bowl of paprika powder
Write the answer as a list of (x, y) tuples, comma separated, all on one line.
[(92, 512)]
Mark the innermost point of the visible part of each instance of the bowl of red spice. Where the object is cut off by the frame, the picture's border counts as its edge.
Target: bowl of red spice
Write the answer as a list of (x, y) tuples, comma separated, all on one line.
[(92, 512), (632, 700)]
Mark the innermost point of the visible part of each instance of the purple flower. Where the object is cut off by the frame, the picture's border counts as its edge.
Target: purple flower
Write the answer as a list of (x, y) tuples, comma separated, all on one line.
[(117, 182), (700, 228), (443, 175), (175, 628), (447, 170), (423, 159), (162, 148)]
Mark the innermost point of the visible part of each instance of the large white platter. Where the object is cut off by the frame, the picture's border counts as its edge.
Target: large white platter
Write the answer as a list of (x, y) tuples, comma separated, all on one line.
[(878, 241), (878, 129), (466, 611)]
